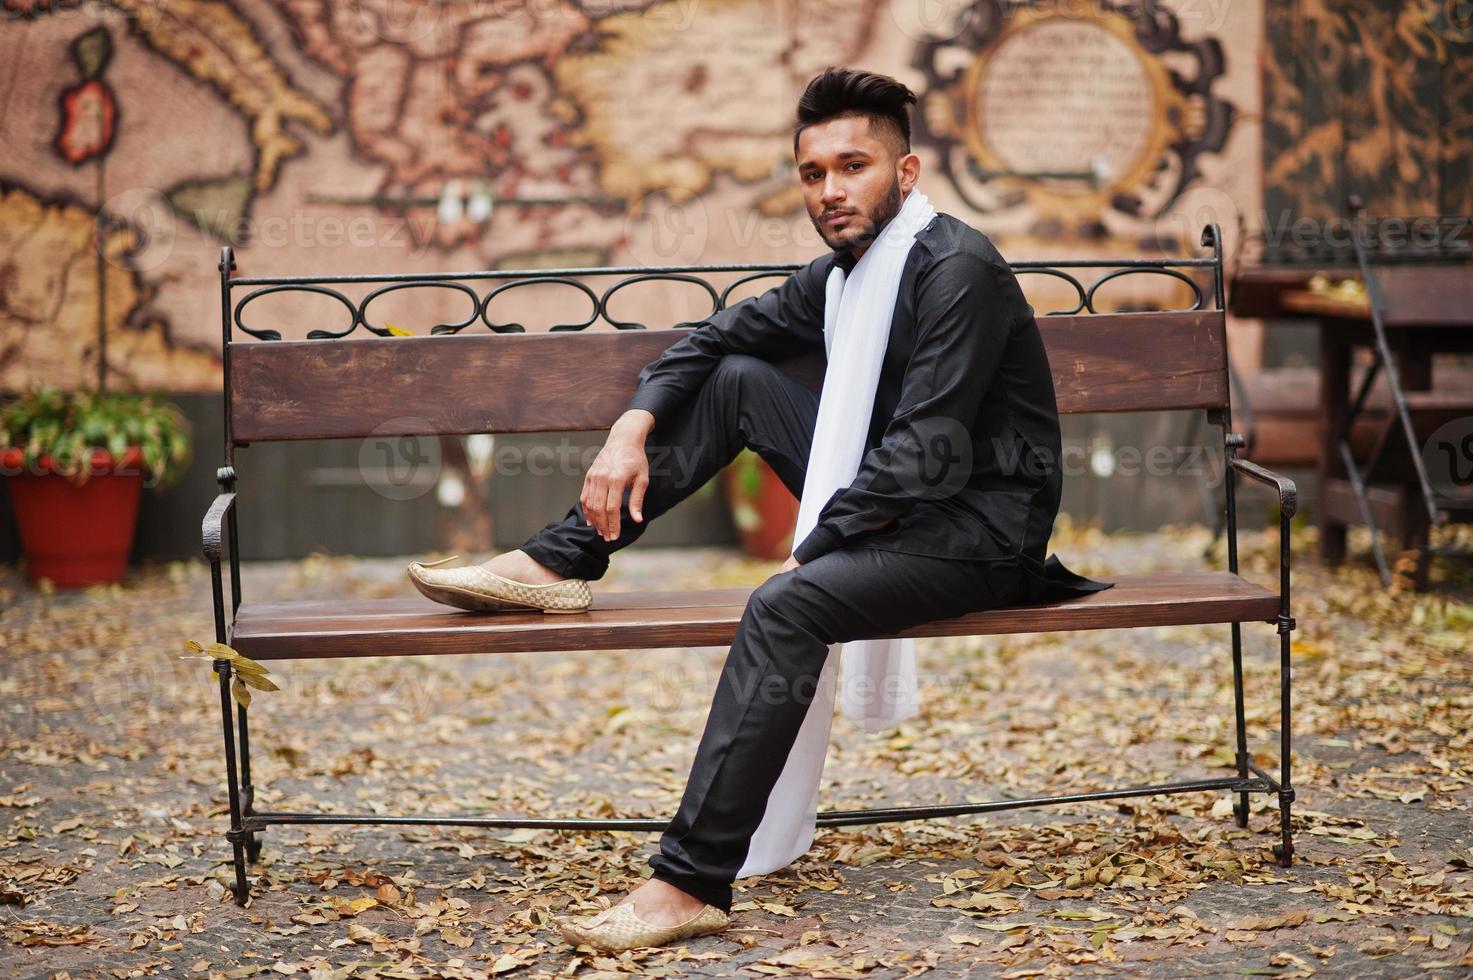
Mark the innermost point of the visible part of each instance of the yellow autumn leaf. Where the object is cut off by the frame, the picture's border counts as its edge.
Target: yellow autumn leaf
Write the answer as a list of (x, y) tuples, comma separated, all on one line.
[(248, 673)]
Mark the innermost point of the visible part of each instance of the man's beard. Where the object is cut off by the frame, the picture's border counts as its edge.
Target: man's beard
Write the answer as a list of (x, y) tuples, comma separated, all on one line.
[(888, 208)]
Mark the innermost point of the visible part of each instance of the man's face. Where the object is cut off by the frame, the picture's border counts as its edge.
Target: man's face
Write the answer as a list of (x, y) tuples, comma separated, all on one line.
[(853, 181)]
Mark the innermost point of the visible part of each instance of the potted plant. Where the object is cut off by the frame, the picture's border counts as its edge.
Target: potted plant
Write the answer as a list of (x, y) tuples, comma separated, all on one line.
[(763, 509), (75, 463)]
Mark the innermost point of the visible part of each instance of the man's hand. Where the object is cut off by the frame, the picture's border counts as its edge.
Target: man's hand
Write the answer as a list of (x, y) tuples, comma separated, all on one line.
[(620, 463), (789, 565)]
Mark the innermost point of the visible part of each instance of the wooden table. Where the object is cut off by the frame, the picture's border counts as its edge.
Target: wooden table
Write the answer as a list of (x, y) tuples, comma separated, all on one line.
[(1426, 310)]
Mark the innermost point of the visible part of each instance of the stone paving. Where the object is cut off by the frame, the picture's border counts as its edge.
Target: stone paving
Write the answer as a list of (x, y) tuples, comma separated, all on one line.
[(111, 798)]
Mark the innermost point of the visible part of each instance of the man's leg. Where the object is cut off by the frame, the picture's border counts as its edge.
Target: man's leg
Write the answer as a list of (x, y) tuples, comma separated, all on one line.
[(745, 401), (770, 677)]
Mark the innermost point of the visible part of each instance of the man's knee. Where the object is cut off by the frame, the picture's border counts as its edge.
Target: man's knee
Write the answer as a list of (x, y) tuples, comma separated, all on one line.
[(790, 598), (771, 596), (741, 372), (740, 366), (724, 388)]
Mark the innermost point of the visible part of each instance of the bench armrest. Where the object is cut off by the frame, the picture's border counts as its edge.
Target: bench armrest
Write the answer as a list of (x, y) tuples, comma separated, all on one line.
[(1288, 494), (218, 523), (1288, 503), (212, 529)]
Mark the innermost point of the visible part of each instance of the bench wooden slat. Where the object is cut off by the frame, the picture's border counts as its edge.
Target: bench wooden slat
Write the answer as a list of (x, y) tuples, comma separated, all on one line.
[(553, 382), (414, 625)]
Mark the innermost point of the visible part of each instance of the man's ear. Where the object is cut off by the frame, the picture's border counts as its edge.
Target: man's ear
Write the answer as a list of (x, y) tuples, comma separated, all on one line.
[(908, 171)]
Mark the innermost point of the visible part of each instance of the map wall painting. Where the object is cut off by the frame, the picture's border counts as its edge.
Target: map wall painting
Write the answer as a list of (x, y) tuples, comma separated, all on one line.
[(396, 136)]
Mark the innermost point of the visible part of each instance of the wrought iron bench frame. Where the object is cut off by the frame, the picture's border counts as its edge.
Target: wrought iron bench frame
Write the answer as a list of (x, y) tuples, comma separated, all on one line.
[(221, 535)]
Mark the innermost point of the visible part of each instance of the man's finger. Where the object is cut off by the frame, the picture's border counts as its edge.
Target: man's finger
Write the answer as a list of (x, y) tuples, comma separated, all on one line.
[(615, 497), (596, 503), (636, 496)]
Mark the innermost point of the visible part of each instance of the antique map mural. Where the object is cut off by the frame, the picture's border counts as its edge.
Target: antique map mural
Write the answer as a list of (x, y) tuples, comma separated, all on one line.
[(387, 135)]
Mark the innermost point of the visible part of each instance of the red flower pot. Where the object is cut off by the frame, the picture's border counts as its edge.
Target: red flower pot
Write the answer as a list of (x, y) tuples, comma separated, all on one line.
[(76, 533), (763, 509)]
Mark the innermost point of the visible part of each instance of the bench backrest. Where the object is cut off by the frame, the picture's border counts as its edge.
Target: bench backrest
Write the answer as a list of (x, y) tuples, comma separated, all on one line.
[(581, 379)]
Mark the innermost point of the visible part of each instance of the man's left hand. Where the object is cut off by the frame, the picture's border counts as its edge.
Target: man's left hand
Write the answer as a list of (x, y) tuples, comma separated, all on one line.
[(789, 565)]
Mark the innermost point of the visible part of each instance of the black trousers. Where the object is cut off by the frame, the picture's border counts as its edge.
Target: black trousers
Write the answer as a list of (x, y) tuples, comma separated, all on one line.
[(782, 641)]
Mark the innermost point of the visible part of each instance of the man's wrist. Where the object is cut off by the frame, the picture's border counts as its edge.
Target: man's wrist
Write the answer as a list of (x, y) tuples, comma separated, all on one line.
[(639, 421)]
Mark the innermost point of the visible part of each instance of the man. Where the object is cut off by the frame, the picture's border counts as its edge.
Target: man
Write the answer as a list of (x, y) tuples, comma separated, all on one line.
[(949, 512)]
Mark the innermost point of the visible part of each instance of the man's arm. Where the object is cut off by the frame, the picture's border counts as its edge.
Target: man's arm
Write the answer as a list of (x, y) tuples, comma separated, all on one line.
[(784, 321), (962, 329)]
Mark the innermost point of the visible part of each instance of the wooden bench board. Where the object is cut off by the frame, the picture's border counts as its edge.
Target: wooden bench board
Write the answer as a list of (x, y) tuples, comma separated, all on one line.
[(316, 629), (553, 382)]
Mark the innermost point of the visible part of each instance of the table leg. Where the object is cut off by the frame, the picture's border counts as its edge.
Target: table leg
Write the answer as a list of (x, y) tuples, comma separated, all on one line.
[(1414, 367), (1334, 406)]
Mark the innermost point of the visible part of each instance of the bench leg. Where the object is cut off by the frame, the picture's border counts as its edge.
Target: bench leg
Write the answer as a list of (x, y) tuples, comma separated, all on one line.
[(1284, 851), (236, 835), (247, 790), (1240, 808)]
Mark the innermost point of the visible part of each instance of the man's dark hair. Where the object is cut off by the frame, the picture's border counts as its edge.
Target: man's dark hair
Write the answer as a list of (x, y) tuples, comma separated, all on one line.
[(848, 91)]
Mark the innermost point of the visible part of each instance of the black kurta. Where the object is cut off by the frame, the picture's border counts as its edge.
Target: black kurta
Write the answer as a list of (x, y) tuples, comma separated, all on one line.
[(963, 454)]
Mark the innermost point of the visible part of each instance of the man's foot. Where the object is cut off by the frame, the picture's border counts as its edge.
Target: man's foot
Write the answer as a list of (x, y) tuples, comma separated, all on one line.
[(521, 567), (662, 904), (654, 914)]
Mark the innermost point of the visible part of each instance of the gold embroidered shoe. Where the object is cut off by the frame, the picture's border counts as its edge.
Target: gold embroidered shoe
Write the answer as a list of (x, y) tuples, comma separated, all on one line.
[(620, 928), (476, 588)]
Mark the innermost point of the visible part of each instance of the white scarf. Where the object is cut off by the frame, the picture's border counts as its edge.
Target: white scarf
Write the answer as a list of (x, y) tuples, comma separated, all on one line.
[(879, 675)]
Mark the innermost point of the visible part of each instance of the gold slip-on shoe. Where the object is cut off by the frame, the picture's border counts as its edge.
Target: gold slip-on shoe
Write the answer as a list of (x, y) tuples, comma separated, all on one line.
[(620, 928), (479, 590)]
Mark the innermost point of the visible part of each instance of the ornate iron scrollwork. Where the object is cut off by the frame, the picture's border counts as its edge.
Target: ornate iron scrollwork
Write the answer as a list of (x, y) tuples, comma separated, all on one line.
[(437, 328), (1074, 273), (517, 283)]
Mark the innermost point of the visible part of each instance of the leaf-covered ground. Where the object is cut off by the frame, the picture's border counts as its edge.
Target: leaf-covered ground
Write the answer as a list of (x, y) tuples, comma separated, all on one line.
[(112, 796)]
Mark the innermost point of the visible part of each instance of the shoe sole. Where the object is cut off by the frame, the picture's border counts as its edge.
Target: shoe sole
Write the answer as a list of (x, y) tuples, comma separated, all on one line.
[(479, 601), (580, 934)]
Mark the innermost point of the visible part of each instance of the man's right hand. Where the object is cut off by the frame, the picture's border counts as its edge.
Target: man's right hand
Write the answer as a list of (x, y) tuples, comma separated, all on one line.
[(620, 463)]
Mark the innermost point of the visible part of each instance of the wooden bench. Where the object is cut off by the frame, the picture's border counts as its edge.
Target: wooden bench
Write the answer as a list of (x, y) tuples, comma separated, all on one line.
[(333, 385)]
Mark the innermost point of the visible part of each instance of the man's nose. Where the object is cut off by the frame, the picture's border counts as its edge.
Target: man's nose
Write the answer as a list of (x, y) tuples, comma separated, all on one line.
[(833, 193)]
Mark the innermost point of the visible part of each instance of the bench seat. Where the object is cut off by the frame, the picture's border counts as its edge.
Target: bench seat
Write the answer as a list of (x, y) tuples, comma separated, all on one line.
[(414, 625)]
